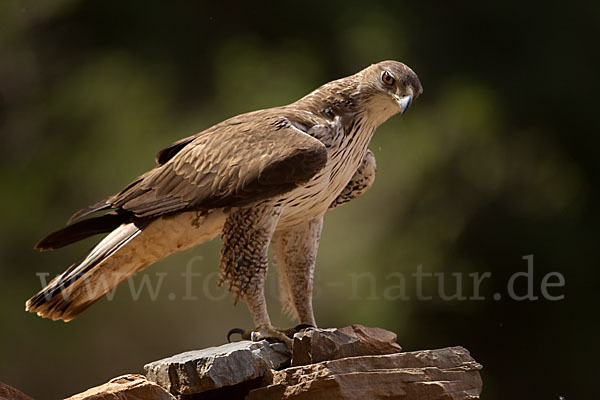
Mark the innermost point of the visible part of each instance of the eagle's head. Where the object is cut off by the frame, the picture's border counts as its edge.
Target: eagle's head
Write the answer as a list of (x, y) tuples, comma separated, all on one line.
[(388, 88)]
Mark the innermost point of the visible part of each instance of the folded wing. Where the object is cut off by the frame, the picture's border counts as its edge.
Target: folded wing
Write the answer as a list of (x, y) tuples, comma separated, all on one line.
[(235, 163)]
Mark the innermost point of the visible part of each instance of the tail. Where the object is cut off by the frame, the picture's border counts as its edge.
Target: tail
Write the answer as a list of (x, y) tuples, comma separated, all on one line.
[(86, 281), (130, 247)]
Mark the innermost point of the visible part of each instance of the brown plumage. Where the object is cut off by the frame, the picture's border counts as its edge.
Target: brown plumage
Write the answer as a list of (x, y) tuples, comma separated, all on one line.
[(215, 168), (253, 176)]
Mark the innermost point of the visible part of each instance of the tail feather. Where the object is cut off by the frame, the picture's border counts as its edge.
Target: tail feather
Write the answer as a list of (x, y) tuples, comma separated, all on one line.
[(99, 206), (81, 230), (130, 247), (77, 288)]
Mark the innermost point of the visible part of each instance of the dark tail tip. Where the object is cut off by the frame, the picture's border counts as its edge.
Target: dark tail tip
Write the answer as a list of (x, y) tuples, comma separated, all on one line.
[(99, 206), (80, 230)]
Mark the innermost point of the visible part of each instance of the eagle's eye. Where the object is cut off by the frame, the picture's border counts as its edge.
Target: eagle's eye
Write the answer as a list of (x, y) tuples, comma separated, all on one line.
[(387, 78)]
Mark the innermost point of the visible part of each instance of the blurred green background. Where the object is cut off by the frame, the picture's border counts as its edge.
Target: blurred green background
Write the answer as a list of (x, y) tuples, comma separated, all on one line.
[(497, 160)]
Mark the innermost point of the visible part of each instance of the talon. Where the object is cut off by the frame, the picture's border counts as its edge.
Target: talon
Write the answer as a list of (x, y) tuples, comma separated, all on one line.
[(289, 332), (271, 335), (300, 327), (233, 331)]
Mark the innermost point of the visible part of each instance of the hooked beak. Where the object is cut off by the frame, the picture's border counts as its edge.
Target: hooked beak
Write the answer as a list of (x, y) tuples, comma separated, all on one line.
[(403, 102)]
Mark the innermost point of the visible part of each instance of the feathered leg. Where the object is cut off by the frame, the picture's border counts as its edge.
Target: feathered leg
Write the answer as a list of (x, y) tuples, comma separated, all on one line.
[(244, 259), (295, 251)]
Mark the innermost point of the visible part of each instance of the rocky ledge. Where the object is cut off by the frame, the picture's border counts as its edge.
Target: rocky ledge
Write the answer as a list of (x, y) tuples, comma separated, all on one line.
[(348, 363)]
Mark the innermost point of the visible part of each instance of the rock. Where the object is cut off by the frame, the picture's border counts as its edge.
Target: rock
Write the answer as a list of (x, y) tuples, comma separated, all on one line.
[(316, 345), (352, 363), (231, 364), (444, 374), (10, 393), (126, 387)]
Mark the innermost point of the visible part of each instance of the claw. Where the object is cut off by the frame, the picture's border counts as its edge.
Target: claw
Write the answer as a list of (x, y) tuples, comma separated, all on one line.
[(269, 334), (233, 331), (272, 335), (300, 327), (289, 332)]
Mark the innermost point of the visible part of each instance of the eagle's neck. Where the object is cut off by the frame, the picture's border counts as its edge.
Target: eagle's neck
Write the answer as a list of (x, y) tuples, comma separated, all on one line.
[(349, 99), (333, 99)]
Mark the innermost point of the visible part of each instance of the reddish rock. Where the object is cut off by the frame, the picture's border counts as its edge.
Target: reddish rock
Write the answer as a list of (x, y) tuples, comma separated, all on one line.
[(126, 387), (316, 345), (352, 363), (10, 393), (444, 374)]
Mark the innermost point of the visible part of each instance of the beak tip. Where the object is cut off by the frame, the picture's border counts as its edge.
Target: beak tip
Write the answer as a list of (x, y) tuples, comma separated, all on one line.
[(404, 103)]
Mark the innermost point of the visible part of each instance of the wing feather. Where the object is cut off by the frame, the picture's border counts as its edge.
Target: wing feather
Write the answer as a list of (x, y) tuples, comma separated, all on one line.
[(231, 164)]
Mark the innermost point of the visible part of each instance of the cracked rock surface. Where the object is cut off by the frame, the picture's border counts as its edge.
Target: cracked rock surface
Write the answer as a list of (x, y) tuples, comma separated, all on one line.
[(217, 367), (316, 345), (443, 374)]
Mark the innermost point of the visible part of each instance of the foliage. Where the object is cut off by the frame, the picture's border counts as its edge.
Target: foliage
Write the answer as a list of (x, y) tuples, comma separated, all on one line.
[(497, 160)]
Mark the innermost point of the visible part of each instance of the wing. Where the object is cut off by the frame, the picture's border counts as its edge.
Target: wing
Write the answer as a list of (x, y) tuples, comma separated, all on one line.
[(247, 159)]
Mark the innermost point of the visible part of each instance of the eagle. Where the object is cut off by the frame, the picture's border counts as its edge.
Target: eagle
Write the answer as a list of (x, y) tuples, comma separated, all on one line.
[(257, 179)]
